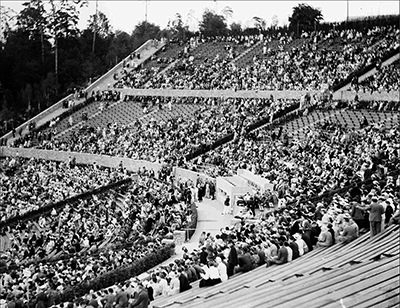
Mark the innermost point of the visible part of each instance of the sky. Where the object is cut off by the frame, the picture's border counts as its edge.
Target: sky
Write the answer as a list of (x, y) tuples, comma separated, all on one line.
[(124, 15)]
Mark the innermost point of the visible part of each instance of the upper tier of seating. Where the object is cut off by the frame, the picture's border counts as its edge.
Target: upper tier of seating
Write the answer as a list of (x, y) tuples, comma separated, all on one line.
[(301, 65)]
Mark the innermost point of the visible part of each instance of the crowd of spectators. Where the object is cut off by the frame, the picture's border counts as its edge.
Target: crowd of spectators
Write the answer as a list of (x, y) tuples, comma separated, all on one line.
[(385, 79), (304, 67), (129, 228), (171, 140), (28, 184), (104, 232), (324, 161), (278, 237)]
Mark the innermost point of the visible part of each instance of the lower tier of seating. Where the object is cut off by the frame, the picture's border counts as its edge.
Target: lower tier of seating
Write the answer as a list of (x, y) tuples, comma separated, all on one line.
[(363, 273)]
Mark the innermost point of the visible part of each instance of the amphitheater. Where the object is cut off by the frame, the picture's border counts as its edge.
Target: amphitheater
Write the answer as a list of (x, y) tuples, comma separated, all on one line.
[(189, 134)]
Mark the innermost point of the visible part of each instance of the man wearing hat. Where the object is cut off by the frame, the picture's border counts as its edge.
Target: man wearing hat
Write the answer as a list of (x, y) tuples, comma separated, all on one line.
[(376, 211)]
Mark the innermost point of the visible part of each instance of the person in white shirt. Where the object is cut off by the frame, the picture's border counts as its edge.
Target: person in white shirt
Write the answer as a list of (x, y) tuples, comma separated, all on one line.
[(174, 284), (163, 285), (290, 252), (302, 245), (222, 269), (211, 276)]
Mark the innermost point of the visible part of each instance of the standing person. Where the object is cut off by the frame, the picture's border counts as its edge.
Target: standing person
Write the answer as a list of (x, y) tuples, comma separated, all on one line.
[(376, 211), (357, 214), (232, 259), (227, 206), (212, 190), (202, 239)]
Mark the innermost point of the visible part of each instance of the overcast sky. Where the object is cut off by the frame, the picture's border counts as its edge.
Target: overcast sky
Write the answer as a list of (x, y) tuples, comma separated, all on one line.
[(124, 15)]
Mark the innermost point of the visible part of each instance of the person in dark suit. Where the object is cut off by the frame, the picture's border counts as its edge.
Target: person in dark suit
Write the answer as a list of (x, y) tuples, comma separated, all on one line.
[(232, 259), (183, 281), (203, 255), (376, 211), (141, 297)]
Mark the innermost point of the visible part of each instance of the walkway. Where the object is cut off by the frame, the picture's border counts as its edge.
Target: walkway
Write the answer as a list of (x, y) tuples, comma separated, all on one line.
[(209, 220)]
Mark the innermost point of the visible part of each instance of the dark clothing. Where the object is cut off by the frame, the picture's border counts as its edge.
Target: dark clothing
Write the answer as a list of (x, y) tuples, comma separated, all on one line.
[(232, 261), (245, 264), (141, 300), (295, 249), (150, 292), (261, 256), (184, 283), (203, 257), (307, 240)]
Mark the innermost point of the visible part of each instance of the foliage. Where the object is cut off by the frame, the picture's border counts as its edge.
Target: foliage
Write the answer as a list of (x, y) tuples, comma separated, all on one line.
[(100, 24), (227, 12), (304, 17), (259, 23), (213, 24), (144, 31), (121, 274), (274, 22), (236, 28)]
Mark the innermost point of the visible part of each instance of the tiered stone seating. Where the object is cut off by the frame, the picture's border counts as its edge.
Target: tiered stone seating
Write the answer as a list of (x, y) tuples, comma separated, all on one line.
[(210, 50), (178, 110), (123, 113), (127, 112), (351, 119), (364, 273), (77, 116), (171, 52)]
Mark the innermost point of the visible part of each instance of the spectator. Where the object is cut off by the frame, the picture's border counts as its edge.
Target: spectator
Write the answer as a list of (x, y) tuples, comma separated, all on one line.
[(375, 216)]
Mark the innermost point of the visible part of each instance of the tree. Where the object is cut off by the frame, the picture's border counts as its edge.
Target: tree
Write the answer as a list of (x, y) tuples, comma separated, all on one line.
[(144, 31), (192, 22), (7, 20), (227, 12), (212, 24), (178, 28), (63, 23), (99, 25), (33, 19), (304, 17), (236, 28), (259, 23), (275, 21)]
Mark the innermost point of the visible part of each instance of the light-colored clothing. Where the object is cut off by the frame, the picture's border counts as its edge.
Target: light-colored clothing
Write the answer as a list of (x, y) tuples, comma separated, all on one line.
[(222, 271), (174, 286)]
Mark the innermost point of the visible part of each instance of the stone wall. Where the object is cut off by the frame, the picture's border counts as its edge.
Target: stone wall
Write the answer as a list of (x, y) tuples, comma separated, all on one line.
[(81, 158)]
